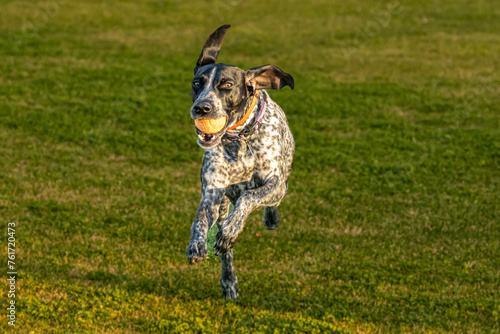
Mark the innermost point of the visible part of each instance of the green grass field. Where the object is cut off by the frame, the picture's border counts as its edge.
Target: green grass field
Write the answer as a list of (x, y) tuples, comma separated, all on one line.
[(392, 220)]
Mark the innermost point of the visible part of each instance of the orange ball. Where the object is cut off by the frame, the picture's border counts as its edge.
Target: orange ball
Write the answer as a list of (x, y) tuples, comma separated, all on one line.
[(210, 125)]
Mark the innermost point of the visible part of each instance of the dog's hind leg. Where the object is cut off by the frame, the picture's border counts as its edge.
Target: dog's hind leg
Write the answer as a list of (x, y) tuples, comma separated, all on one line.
[(271, 217), (228, 281)]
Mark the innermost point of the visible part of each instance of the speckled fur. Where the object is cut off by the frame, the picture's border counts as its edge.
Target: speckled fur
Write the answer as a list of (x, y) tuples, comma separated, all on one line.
[(251, 174)]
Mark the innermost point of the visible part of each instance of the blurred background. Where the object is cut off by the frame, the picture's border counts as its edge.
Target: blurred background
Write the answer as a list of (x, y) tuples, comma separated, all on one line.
[(391, 223)]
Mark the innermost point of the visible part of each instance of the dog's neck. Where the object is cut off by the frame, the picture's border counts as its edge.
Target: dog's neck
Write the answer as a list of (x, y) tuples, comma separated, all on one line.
[(243, 111)]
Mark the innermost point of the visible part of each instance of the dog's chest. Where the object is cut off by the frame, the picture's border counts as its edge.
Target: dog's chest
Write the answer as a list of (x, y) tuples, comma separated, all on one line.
[(249, 163), (229, 164), (239, 162)]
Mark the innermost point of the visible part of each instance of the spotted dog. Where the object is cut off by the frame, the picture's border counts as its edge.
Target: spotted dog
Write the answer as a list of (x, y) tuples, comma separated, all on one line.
[(247, 163)]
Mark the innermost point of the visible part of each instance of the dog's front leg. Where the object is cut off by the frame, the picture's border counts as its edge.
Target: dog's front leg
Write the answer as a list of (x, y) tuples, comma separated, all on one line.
[(270, 194), (207, 214)]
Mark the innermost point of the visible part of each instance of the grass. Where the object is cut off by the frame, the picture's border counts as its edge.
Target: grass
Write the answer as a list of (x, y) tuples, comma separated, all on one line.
[(392, 219)]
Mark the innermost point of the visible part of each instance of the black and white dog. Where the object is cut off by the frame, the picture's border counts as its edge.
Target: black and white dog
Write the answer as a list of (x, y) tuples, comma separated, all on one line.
[(248, 162)]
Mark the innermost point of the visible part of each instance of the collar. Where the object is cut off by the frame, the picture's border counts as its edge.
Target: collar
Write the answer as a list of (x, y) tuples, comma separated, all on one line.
[(250, 129), (248, 112)]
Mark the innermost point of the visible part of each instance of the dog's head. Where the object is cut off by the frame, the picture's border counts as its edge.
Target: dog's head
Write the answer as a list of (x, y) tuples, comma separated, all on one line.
[(222, 91)]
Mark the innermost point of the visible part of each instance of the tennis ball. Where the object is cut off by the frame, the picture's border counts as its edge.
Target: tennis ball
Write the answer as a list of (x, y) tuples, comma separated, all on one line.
[(210, 125)]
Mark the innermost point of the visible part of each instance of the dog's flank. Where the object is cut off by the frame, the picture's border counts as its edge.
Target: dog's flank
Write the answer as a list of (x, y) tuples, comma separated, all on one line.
[(249, 166)]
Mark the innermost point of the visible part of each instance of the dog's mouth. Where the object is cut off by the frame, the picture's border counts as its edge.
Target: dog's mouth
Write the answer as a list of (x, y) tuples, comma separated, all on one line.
[(210, 131), (209, 140)]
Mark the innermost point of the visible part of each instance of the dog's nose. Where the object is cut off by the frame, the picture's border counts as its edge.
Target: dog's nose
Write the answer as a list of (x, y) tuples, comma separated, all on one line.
[(202, 108)]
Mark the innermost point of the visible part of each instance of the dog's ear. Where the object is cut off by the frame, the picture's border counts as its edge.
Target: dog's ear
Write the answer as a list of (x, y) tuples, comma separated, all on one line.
[(211, 48), (267, 76)]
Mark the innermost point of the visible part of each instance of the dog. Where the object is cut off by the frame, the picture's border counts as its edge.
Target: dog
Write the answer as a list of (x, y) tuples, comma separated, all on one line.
[(247, 163)]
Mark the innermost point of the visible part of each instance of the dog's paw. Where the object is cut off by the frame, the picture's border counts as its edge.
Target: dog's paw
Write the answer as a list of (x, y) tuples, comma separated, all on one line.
[(197, 252), (224, 241)]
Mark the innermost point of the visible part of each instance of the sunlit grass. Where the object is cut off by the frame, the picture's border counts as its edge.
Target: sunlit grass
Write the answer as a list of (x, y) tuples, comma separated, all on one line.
[(391, 220)]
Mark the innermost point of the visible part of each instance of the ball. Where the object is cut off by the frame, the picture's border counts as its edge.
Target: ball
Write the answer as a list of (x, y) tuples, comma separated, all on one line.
[(210, 125)]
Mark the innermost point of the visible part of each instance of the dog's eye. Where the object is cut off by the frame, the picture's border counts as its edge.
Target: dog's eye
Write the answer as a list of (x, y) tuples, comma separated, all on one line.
[(228, 85), (196, 83)]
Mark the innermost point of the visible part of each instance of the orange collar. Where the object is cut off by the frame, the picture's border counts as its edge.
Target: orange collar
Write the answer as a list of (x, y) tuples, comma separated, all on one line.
[(249, 111)]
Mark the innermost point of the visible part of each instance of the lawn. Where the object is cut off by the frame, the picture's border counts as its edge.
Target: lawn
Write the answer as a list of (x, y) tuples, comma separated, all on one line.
[(392, 219)]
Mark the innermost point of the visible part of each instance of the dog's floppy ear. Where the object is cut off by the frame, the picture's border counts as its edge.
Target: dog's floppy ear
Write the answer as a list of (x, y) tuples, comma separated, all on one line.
[(267, 76), (212, 46)]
